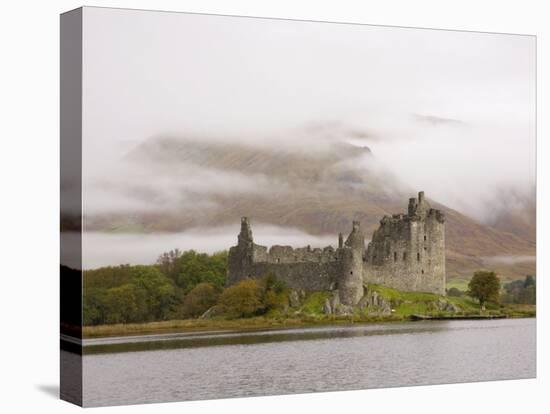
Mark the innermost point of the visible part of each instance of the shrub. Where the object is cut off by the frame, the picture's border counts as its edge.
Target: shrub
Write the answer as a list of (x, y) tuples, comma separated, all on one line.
[(271, 283), (201, 298), (242, 299), (314, 302), (273, 301), (274, 293)]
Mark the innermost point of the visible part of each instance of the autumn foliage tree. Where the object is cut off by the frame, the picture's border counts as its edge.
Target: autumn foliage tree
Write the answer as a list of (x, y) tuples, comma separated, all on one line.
[(243, 299), (201, 298)]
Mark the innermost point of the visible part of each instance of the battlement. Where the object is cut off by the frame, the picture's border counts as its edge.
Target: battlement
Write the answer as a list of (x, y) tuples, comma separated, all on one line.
[(407, 252)]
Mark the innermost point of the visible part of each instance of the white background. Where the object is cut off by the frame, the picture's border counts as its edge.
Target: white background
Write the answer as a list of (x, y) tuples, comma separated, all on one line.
[(29, 194)]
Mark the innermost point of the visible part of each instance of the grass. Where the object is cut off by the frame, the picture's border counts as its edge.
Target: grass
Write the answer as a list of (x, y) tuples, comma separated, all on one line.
[(393, 294), (311, 313), (406, 304), (520, 311), (189, 325), (243, 324), (313, 304), (460, 284)]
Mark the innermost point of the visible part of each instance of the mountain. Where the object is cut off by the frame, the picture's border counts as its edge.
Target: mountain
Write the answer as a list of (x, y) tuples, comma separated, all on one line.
[(316, 186)]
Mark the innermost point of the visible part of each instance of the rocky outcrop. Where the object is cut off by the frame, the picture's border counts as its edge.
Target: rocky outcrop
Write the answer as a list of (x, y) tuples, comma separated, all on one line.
[(294, 299), (327, 309), (332, 305), (446, 306), (373, 303)]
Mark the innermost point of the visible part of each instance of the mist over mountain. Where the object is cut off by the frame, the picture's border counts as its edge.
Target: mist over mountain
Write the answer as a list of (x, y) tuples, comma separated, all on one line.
[(316, 186), (303, 131)]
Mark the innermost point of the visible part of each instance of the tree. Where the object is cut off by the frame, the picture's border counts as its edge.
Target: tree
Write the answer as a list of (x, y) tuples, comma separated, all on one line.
[(528, 295), (122, 294), (242, 299), (484, 286), (121, 304), (529, 281), (94, 306), (156, 289), (520, 291), (201, 298), (191, 268), (169, 263)]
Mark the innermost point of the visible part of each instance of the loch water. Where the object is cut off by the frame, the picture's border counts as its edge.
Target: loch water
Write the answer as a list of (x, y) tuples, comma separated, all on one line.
[(175, 367)]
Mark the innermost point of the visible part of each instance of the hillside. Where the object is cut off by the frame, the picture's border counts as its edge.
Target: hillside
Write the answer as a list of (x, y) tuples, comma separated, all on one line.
[(318, 188)]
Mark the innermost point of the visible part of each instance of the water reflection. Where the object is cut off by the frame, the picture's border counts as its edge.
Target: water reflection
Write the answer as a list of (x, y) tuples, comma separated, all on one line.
[(195, 340), (176, 367)]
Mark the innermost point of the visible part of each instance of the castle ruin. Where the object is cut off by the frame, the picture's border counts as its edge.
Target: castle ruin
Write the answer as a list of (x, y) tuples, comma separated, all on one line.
[(406, 252)]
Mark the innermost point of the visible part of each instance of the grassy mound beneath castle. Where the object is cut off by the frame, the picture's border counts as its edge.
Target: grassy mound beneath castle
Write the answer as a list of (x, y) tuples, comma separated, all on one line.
[(407, 304)]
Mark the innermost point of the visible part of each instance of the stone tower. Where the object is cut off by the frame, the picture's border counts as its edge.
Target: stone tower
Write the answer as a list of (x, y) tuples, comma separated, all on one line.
[(241, 256), (244, 238), (407, 252), (350, 280)]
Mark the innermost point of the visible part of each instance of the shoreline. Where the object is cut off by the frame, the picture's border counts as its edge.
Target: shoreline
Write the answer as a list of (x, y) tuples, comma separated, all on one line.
[(197, 326)]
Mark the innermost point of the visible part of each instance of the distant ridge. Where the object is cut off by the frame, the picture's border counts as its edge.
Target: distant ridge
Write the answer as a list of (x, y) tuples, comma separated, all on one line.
[(319, 191)]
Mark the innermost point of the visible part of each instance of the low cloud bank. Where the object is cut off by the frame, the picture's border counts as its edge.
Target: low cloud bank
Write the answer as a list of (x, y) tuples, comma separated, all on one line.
[(111, 249), (477, 167), (508, 260)]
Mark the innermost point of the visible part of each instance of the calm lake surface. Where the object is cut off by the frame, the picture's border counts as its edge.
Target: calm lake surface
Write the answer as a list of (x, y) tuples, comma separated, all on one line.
[(177, 367)]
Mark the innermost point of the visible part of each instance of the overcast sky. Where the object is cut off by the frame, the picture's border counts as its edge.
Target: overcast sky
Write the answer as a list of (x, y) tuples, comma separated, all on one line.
[(449, 112)]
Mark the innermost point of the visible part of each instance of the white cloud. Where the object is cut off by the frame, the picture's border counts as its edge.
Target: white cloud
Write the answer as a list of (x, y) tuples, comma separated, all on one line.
[(103, 249), (259, 80)]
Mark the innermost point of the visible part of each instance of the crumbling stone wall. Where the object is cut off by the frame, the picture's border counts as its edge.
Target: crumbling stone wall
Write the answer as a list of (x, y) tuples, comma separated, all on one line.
[(307, 276), (407, 252), (302, 268), (286, 254)]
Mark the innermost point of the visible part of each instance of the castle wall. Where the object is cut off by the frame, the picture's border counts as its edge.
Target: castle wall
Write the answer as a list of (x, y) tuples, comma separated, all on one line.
[(307, 276), (391, 258), (407, 252), (287, 254), (302, 268)]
